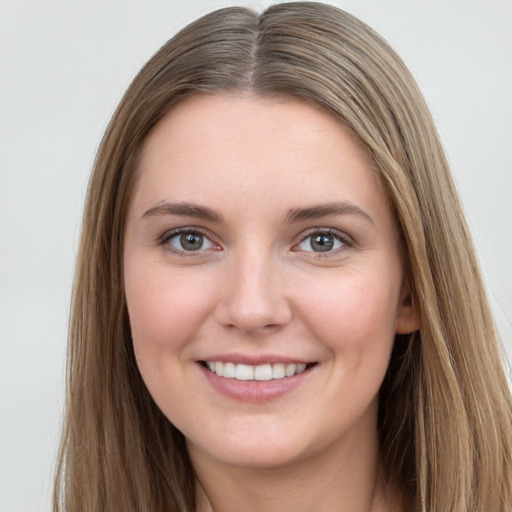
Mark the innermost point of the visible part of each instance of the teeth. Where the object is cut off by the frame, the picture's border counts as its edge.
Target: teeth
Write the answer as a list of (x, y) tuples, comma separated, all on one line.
[(243, 372), (278, 371), (249, 372), (229, 370), (263, 372), (290, 370)]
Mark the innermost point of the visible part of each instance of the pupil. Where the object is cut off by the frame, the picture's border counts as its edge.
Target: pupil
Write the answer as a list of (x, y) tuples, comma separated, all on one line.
[(322, 243), (191, 241)]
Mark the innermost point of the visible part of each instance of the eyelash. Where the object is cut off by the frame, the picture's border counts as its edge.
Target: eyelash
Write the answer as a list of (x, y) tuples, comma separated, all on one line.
[(169, 235), (339, 236)]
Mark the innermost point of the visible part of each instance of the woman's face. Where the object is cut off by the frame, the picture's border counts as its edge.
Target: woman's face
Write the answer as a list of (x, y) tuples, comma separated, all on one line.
[(263, 280)]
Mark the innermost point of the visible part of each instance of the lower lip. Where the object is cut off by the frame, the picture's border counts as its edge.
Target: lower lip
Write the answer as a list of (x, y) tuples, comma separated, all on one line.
[(254, 391)]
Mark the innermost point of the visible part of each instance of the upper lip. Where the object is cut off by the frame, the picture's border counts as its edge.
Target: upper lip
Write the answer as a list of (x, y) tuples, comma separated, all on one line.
[(256, 359)]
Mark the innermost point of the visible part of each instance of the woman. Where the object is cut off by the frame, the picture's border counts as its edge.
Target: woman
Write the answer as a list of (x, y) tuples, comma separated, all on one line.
[(277, 304)]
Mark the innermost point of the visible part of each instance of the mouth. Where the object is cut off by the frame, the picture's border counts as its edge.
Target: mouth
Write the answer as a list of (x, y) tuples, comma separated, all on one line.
[(262, 372)]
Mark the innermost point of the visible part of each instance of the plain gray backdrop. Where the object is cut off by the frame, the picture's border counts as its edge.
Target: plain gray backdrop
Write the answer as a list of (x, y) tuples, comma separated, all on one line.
[(64, 66)]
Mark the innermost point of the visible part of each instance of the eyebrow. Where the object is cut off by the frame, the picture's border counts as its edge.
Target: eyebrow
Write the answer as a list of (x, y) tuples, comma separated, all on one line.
[(325, 210), (293, 215), (184, 209)]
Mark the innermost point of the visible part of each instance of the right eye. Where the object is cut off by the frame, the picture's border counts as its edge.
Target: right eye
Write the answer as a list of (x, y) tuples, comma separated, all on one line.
[(188, 241)]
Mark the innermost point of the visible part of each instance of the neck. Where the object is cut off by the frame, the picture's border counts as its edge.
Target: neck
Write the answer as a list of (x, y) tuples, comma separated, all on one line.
[(345, 478)]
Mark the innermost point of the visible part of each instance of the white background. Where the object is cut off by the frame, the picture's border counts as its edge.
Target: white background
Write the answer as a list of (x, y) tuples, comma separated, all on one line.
[(63, 67)]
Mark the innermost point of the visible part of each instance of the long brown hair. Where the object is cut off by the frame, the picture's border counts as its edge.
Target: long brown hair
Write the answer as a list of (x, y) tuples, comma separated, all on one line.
[(445, 417)]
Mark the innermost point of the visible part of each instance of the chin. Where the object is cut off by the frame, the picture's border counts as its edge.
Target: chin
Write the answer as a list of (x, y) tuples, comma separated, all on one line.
[(257, 453), (278, 453)]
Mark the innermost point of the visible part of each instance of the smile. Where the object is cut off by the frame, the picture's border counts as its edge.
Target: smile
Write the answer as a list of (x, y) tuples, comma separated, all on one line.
[(261, 372)]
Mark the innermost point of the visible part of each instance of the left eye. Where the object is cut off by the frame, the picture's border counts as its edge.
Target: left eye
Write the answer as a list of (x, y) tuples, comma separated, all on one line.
[(190, 241), (321, 241)]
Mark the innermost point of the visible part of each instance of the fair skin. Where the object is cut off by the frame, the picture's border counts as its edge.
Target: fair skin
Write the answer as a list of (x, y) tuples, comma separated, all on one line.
[(259, 242)]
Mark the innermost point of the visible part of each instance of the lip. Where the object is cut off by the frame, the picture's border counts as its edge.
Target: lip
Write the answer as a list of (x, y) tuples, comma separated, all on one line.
[(254, 391)]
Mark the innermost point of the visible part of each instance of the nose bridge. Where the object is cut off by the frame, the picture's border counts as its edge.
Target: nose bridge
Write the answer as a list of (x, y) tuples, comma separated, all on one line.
[(254, 296)]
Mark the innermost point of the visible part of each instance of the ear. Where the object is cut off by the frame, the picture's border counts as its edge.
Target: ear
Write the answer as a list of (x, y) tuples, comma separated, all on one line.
[(408, 314)]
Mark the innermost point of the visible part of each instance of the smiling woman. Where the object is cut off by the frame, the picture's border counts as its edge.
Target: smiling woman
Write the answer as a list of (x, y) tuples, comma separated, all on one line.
[(274, 314), (277, 304)]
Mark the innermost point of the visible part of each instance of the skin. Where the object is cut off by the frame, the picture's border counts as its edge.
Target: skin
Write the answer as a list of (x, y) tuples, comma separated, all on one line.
[(258, 288)]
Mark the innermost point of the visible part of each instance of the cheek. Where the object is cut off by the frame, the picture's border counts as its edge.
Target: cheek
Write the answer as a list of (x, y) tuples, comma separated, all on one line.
[(165, 308), (354, 316), (166, 311)]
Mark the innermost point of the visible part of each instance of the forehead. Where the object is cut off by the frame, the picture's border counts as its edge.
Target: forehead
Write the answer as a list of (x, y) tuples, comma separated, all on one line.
[(213, 148)]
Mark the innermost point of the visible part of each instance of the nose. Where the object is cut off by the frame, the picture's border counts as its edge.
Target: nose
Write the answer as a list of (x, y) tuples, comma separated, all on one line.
[(254, 297)]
